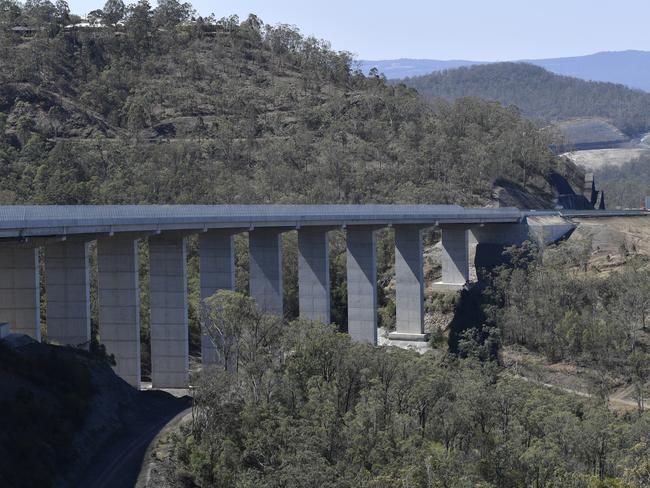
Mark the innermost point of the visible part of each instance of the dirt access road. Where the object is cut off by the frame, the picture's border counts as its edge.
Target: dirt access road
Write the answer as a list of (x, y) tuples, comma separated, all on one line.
[(119, 462)]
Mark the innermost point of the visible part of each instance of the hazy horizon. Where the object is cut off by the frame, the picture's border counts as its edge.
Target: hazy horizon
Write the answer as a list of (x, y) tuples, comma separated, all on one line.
[(507, 60), (466, 30)]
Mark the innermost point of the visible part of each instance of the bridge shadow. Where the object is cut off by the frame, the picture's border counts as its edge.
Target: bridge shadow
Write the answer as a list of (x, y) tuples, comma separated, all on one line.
[(469, 312)]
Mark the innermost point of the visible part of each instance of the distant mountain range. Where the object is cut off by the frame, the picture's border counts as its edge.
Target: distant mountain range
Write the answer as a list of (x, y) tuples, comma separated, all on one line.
[(630, 68), (544, 96)]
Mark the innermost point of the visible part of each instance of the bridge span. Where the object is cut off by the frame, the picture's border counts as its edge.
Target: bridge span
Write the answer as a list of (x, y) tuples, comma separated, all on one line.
[(64, 234)]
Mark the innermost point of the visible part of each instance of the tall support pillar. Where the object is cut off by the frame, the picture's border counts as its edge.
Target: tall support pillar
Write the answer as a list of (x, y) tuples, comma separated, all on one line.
[(362, 284), (118, 295), (409, 279), (266, 268), (168, 308), (455, 256), (314, 274), (217, 270), (20, 298), (67, 292)]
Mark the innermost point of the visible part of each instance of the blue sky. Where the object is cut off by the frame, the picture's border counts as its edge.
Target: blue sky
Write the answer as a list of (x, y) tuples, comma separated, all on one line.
[(483, 30)]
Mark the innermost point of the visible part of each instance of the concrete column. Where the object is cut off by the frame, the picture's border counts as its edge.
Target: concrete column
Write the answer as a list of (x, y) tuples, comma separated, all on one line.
[(168, 308), (409, 279), (20, 300), (314, 274), (67, 292), (265, 246), (118, 295), (362, 284), (455, 256), (217, 269)]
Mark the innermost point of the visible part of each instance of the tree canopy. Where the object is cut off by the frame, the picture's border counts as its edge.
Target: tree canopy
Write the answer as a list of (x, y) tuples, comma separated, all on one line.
[(541, 94), (158, 105), (305, 406)]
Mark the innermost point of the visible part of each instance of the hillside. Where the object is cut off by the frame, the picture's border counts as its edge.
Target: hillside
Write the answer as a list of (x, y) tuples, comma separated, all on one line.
[(540, 94), (164, 109), (630, 68), (627, 184), (62, 408), (343, 414)]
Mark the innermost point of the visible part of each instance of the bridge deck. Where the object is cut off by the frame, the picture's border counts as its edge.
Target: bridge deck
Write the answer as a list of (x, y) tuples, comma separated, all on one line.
[(19, 221), (47, 220)]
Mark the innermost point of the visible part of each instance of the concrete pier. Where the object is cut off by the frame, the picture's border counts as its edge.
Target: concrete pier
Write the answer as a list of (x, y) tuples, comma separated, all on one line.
[(455, 257), (118, 297), (265, 246), (168, 308), (67, 293), (362, 283), (217, 270), (314, 274), (409, 279), (20, 300)]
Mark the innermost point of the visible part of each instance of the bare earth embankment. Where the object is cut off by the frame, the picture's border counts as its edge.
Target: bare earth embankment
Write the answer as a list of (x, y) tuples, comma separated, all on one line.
[(593, 159)]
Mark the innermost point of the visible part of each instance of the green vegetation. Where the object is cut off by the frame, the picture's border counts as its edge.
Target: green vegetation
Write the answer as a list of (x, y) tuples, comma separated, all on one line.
[(161, 109), (552, 302), (625, 185), (303, 406), (541, 94)]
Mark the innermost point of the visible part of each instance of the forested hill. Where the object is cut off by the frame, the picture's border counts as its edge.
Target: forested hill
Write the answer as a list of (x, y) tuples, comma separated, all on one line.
[(541, 94), (153, 105), (630, 68)]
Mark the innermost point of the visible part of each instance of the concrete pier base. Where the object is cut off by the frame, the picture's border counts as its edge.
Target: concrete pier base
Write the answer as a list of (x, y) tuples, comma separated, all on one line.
[(401, 336), (67, 293), (441, 287), (118, 298), (217, 270), (409, 281), (454, 258), (20, 299), (314, 274), (168, 308), (265, 246), (362, 284)]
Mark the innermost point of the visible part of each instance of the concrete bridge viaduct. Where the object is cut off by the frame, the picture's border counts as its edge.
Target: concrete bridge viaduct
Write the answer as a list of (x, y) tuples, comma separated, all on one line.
[(64, 234)]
